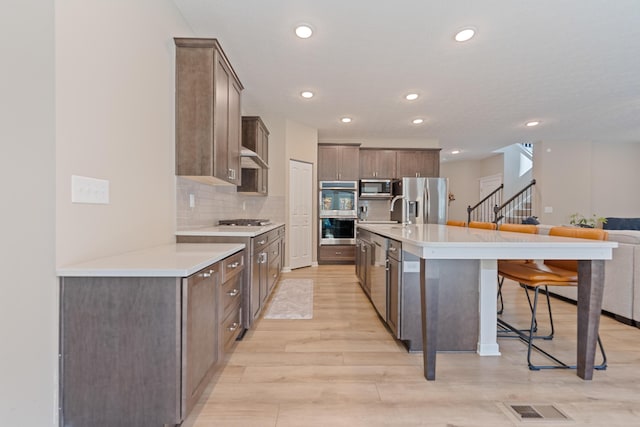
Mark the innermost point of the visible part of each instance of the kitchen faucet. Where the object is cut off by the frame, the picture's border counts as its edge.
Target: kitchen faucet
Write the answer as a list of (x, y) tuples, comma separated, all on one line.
[(404, 213)]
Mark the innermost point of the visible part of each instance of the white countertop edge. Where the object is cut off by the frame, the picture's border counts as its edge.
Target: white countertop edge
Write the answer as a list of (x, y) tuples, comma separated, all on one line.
[(172, 260), (464, 243), (239, 231)]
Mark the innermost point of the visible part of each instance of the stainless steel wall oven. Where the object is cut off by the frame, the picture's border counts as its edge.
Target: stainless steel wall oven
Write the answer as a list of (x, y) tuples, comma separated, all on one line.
[(338, 204)]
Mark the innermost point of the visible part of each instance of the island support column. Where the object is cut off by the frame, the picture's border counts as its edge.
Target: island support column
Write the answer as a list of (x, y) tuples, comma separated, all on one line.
[(590, 293), (429, 286)]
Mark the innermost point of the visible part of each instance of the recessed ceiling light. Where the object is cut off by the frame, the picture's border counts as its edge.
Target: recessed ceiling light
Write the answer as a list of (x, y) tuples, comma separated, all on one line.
[(412, 96), (417, 121), (532, 123), (346, 120), (455, 152), (465, 34), (306, 94), (304, 31)]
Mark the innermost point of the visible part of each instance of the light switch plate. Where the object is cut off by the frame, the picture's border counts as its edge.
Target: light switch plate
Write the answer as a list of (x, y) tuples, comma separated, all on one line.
[(89, 190)]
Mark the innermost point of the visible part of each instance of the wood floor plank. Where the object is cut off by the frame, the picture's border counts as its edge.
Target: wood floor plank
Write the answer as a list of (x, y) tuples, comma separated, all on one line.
[(343, 368)]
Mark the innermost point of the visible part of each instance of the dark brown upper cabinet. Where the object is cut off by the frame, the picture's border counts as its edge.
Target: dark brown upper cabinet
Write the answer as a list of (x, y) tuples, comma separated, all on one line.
[(338, 162), (417, 163), (208, 117), (376, 163), (255, 137)]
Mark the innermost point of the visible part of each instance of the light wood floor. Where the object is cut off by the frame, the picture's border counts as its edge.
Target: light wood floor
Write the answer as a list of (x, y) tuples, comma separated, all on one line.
[(343, 368)]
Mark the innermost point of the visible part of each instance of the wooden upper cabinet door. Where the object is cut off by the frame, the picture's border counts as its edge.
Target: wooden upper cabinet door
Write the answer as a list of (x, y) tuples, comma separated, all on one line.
[(328, 162), (338, 162), (386, 164), (407, 164), (194, 111), (377, 164), (208, 125), (234, 134), (221, 122), (418, 163), (368, 166), (350, 163)]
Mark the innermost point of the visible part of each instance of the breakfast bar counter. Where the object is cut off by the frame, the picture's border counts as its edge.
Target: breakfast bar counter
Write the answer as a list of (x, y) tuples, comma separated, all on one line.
[(435, 243)]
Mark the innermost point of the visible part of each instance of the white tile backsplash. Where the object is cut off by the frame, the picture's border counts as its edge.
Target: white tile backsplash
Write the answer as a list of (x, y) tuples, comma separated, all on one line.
[(216, 202)]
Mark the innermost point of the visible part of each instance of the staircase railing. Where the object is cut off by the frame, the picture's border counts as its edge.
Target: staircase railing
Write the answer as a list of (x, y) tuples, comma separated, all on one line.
[(484, 209), (517, 208)]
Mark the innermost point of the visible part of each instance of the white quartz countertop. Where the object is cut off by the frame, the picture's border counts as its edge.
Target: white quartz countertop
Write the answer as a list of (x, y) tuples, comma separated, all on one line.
[(433, 241), (229, 230), (173, 260), (376, 221)]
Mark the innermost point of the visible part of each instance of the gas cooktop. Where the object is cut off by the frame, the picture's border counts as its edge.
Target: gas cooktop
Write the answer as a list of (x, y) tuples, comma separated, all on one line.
[(245, 222)]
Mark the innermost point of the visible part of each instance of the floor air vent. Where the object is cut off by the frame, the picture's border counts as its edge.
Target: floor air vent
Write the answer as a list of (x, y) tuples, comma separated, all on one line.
[(524, 413)]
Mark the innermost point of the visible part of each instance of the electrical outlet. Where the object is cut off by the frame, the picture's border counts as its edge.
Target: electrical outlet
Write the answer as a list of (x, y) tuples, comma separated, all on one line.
[(89, 190)]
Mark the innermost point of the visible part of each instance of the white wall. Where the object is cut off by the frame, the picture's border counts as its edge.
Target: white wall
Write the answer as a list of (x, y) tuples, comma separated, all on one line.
[(115, 65), (87, 88), (27, 187), (464, 182), (615, 179), (587, 178)]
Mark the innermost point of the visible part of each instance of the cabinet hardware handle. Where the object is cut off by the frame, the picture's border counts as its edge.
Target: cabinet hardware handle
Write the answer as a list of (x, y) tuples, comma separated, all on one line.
[(392, 249), (338, 253), (233, 327), (208, 274), (262, 242), (234, 265), (233, 293)]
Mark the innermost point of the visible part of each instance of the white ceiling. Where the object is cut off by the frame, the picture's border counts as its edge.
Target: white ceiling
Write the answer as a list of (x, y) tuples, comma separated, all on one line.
[(572, 64)]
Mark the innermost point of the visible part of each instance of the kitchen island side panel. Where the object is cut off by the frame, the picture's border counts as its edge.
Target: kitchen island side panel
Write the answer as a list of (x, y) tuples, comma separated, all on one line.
[(120, 351)]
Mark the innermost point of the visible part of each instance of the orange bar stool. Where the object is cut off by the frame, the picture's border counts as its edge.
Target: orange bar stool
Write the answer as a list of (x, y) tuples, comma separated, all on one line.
[(533, 275), (514, 228), (457, 223)]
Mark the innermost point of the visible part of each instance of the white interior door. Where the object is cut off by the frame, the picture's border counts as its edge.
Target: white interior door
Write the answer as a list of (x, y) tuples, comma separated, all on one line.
[(300, 206)]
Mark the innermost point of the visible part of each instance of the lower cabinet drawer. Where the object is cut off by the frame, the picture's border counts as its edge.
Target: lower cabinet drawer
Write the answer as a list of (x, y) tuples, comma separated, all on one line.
[(231, 295), (337, 252), (232, 266), (231, 327)]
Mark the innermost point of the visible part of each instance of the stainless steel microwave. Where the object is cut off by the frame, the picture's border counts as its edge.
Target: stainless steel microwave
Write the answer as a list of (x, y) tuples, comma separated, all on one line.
[(375, 188)]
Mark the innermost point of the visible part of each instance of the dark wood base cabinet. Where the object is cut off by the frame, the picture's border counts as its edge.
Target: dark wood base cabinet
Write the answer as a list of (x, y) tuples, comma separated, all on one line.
[(265, 258), (336, 254), (139, 351)]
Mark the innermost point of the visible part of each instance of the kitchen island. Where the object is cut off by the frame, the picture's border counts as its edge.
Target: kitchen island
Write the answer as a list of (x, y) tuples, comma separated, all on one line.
[(437, 245)]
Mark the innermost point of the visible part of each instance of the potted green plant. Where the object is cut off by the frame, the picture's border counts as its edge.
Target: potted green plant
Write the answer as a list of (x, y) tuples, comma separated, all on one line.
[(580, 220)]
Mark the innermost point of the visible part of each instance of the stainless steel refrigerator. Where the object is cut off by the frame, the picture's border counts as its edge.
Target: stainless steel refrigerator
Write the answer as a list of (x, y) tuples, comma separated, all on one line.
[(420, 200)]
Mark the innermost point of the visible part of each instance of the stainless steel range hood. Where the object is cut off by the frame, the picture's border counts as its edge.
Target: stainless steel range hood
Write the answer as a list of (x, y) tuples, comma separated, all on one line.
[(250, 160)]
